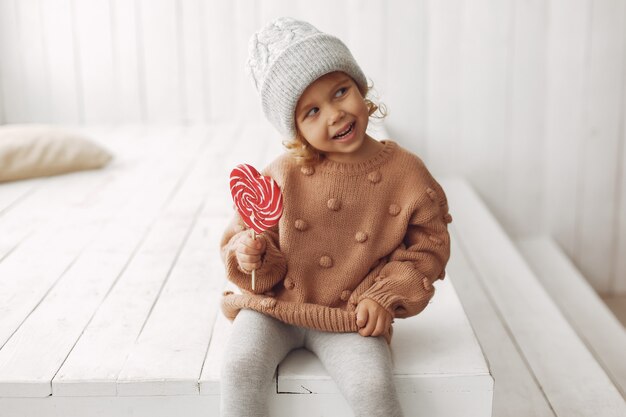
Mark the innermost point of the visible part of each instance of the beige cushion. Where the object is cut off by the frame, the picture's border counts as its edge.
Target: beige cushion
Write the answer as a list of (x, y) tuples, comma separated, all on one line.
[(28, 151)]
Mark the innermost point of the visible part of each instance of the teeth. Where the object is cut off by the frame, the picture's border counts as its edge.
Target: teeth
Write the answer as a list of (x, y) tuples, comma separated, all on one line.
[(344, 133)]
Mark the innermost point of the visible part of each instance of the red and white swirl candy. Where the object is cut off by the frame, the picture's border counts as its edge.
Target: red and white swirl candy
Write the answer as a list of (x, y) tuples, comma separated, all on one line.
[(257, 197)]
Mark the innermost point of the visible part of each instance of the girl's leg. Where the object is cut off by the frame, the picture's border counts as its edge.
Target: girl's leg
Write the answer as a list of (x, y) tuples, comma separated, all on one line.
[(362, 368), (256, 346)]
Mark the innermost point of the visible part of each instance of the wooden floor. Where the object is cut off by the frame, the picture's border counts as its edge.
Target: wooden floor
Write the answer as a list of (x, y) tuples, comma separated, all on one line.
[(77, 250)]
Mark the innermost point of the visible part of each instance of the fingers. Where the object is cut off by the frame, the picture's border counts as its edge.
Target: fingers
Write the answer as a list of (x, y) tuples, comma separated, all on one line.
[(372, 320), (369, 327), (362, 315), (249, 252), (381, 325), (252, 246)]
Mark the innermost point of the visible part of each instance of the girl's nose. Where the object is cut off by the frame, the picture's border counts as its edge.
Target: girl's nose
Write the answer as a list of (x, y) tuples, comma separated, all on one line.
[(337, 115)]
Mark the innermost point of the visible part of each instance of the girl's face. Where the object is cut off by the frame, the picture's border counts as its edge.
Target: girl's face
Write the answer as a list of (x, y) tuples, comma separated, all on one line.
[(332, 116)]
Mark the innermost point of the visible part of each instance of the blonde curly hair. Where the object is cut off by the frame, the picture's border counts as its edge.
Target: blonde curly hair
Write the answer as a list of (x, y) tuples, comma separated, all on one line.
[(305, 154)]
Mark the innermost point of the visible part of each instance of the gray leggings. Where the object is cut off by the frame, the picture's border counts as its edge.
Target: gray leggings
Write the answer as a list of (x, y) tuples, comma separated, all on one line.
[(361, 366)]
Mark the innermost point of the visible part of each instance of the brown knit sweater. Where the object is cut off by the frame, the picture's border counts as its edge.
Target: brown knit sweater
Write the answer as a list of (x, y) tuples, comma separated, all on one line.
[(375, 229)]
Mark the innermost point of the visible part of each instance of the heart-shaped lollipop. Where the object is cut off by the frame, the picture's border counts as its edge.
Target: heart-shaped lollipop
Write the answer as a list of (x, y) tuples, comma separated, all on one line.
[(258, 199)]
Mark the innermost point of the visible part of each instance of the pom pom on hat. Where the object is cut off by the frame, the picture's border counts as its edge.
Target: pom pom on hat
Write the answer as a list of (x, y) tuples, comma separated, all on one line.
[(285, 57)]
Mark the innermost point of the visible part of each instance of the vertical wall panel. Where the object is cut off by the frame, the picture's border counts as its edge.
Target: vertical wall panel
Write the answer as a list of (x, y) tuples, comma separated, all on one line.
[(617, 258), (247, 22), (161, 60), (618, 235), (367, 41), (328, 16), (2, 117), (193, 49), (486, 47), (272, 9), (59, 34), (36, 88), (95, 57), (127, 59), (223, 79), (522, 213), (405, 93), (11, 73), (568, 40), (443, 84), (599, 162)]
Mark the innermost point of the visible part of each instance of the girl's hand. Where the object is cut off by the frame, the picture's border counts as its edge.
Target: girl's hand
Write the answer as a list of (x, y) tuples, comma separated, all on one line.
[(372, 318), (249, 252)]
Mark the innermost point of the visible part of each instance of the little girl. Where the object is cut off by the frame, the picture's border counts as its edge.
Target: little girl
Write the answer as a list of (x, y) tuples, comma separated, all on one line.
[(362, 238)]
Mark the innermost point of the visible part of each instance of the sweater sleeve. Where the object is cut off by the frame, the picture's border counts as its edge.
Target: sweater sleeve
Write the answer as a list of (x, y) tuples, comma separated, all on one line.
[(404, 286), (274, 264)]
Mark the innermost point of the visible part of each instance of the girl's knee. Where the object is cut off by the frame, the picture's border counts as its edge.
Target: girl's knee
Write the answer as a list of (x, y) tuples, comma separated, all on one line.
[(371, 388), (240, 370)]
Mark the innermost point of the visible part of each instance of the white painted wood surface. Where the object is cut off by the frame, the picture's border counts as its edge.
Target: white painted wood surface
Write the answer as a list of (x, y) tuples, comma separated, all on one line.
[(525, 99), (110, 282), (603, 334), (439, 367), (516, 391), (551, 348)]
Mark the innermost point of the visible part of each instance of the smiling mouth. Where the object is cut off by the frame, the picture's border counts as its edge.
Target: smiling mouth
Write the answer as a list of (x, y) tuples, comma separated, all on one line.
[(345, 132)]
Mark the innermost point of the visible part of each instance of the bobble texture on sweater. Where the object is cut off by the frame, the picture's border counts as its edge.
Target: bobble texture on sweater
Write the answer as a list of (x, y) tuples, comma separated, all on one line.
[(375, 229)]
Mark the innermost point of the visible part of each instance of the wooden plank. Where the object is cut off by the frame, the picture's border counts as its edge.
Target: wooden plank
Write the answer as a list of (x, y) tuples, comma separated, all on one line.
[(516, 391), (44, 235), (79, 190), (153, 406), (35, 65), (93, 39), (167, 357), (600, 168), (221, 58), (406, 39), (11, 65), (367, 40), (448, 383), (458, 364), (603, 334), (193, 55), (567, 53), (484, 97), (128, 70), (14, 191), (245, 18), (618, 282), (553, 351), (97, 360), (209, 382), (443, 89), (524, 160), (58, 27), (34, 353), (159, 34)]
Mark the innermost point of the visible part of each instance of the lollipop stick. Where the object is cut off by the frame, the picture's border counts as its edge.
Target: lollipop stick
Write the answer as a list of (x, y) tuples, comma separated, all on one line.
[(253, 238)]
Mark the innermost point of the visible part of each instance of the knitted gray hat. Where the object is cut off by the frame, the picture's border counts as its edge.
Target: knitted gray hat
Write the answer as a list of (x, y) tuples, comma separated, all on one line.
[(285, 57)]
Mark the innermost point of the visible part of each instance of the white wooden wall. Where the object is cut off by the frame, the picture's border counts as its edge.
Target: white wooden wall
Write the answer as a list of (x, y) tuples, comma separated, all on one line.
[(523, 97)]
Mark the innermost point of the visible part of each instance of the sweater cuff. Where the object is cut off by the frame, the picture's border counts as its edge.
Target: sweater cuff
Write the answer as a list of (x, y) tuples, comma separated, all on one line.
[(399, 302)]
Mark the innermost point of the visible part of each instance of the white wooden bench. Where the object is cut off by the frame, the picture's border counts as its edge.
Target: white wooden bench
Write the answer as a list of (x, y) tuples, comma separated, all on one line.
[(540, 364), (592, 320), (110, 282)]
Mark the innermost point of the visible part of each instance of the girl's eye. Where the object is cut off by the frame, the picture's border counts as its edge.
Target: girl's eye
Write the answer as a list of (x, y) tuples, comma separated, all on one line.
[(342, 90), (309, 113)]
